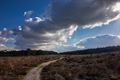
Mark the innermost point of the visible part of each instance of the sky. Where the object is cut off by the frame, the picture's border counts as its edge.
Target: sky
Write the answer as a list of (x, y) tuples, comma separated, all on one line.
[(11, 12), (59, 25)]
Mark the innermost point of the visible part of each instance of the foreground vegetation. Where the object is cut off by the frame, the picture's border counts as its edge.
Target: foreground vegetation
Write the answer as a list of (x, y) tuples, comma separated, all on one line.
[(102, 65), (15, 68)]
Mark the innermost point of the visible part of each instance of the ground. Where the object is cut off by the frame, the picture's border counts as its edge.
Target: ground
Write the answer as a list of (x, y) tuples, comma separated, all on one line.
[(103, 66)]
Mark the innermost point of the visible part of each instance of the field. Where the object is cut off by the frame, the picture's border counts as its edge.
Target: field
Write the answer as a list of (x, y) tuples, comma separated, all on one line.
[(104, 66), (15, 68), (85, 67)]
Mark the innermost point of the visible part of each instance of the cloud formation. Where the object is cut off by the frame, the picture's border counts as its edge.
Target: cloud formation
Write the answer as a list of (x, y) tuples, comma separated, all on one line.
[(99, 41), (6, 43), (90, 13), (60, 21), (41, 38)]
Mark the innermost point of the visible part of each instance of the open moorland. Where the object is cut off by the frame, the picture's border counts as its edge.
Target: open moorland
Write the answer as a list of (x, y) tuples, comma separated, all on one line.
[(85, 67), (15, 68), (99, 66)]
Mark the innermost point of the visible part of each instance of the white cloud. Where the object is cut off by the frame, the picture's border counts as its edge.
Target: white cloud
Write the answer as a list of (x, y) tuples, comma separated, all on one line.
[(99, 41), (59, 22), (28, 14), (6, 32), (66, 47), (19, 28), (6, 43)]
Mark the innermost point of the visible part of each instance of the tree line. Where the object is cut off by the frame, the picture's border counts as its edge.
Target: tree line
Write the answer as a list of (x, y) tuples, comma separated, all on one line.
[(27, 52), (95, 50), (30, 52)]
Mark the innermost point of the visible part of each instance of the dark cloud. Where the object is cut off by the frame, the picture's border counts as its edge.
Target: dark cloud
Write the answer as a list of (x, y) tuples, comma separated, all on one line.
[(42, 34), (83, 12), (59, 22), (56, 27)]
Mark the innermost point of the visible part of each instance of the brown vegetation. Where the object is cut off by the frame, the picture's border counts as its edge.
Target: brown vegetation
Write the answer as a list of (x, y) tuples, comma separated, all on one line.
[(86, 67), (98, 66), (15, 68)]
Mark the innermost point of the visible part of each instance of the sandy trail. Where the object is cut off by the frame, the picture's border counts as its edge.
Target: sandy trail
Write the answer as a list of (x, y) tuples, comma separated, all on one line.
[(34, 74)]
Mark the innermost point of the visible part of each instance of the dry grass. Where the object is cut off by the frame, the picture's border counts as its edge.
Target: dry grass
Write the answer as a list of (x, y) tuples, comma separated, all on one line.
[(87, 67), (71, 67), (14, 68)]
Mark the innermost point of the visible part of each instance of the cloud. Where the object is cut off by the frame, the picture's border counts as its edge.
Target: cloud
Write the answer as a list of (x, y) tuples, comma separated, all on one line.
[(3, 47), (6, 43), (89, 13), (28, 14), (7, 40), (42, 38), (60, 21), (67, 47), (99, 41)]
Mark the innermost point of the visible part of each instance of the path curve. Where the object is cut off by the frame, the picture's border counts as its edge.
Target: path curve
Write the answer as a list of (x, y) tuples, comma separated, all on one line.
[(34, 74)]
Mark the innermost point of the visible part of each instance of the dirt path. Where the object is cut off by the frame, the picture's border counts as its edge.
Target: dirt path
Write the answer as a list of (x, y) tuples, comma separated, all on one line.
[(34, 74)]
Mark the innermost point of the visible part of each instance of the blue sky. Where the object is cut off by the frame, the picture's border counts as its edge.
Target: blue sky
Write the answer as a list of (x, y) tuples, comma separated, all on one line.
[(11, 11), (65, 19)]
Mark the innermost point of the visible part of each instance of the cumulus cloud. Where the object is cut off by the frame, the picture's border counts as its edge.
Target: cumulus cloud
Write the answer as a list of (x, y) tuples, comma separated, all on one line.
[(60, 21), (99, 41), (42, 38)]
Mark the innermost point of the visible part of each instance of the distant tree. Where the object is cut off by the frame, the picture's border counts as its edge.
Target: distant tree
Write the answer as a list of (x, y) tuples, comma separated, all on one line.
[(28, 49)]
